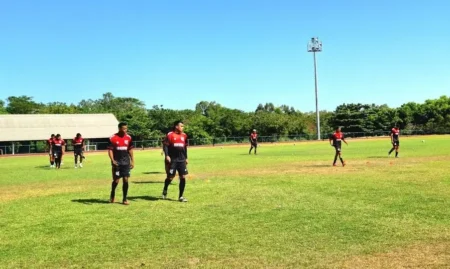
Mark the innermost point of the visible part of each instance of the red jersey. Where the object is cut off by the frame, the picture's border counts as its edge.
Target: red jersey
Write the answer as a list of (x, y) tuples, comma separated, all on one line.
[(58, 144), (176, 146), (78, 143), (253, 137), (395, 132), (50, 142), (337, 138), (121, 145)]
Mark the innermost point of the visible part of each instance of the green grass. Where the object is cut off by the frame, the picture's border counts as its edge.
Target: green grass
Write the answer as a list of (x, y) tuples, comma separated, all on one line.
[(286, 207)]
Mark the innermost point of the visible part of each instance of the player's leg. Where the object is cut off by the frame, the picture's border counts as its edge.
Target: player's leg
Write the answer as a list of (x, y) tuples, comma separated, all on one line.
[(336, 154), (397, 147), (170, 174), (340, 158), (75, 158), (125, 190), (115, 182), (392, 149), (182, 172), (255, 146), (251, 147), (52, 160), (81, 158)]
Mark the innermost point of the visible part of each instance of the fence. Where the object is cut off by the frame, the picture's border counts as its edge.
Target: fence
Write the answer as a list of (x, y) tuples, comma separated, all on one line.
[(39, 147)]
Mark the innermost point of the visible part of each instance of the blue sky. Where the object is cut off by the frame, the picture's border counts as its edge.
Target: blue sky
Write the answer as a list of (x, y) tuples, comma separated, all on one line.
[(236, 52)]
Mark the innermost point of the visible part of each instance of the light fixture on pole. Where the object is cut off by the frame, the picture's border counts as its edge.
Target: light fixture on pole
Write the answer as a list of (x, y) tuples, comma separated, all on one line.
[(316, 46)]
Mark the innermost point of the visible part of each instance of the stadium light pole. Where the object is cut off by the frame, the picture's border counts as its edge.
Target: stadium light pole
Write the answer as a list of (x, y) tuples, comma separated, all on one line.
[(316, 46)]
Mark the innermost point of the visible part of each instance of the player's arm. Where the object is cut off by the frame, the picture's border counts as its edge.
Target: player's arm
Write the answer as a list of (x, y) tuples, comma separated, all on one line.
[(83, 146), (166, 144), (63, 147), (111, 154), (185, 153), (131, 153), (330, 139), (343, 139), (392, 137)]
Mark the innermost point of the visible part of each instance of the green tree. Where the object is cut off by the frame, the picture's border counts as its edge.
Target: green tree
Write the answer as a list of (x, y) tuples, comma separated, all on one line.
[(22, 105)]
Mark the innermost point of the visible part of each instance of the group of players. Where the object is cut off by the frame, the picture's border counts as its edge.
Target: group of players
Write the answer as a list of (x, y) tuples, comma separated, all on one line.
[(56, 149), (338, 137), (120, 152)]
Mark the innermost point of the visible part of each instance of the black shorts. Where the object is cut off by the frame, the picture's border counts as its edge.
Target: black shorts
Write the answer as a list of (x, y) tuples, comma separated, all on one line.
[(121, 171), (179, 167), (396, 143), (78, 152), (57, 155), (338, 149), (254, 144)]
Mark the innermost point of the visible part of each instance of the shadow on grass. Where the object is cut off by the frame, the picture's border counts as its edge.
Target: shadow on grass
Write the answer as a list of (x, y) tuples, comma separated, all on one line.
[(47, 167), (148, 182), (90, 201), (377, 157), (318, 165), (153, 173), (146, 198)]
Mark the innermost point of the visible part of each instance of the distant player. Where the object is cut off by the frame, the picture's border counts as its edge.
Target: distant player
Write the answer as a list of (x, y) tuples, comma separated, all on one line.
[(78, 149), (120, 151), (49, 150), (253, 138), (175, 150), (58, 150), (336, 142), (395, 140)]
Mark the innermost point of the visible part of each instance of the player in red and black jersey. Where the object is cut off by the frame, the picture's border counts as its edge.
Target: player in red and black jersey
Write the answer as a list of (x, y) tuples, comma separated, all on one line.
[(253, 138), (120, 151), (336, 141), (175, 150), (395, 140), (58, 147), (78, 148), (49, 149)]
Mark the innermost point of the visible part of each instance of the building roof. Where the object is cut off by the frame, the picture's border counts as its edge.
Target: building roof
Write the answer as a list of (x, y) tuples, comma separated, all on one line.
[(41, 126)]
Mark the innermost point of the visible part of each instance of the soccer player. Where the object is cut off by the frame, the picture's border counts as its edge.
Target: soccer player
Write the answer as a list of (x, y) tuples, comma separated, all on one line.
[(78, 148), (120, 151), (336, 142), (49, 149), (253, 138), (175, 150), (395, 133), (58, 150)]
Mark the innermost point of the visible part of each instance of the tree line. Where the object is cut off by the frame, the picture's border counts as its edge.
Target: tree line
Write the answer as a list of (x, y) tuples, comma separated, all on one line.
[(209, 120)]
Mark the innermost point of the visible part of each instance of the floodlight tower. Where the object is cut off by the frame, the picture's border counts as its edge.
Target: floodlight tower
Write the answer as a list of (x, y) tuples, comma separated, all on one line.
[(316, 46)]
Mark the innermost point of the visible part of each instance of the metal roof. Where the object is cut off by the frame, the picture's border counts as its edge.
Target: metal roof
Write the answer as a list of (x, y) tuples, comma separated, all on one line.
[(32, 127)]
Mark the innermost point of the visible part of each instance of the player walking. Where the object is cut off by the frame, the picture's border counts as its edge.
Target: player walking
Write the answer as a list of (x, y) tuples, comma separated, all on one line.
[(120, 151), (336, 142), (175, 150), (49, 149), (78, 148), (395, 140), (58, 147)]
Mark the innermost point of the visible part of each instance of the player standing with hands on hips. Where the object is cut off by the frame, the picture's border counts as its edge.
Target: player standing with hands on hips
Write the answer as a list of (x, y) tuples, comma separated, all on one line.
[(120, 151), (336, 140), (175, 151)]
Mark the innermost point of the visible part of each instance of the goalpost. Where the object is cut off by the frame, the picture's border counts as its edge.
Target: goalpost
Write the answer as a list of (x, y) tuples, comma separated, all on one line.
[(91, 147)]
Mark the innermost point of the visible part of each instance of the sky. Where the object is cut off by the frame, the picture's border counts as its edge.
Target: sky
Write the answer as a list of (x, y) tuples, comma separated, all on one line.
[(238, 53)]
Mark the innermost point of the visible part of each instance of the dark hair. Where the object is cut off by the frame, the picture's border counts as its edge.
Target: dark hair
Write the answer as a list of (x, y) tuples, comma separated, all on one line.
[(122, 124), (52, 135), (78, 134), (338, 128), (58, 135), (176, 123)]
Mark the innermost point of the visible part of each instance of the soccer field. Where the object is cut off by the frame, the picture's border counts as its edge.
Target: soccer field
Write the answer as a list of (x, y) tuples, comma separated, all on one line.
[(284, 208)]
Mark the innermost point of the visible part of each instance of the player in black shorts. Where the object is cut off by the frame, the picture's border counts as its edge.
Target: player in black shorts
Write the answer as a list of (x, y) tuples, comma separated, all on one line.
[(336, 142), (78, 147), (120, 151), (395, 140), (253, 138), (58, 147), (175, 150)]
